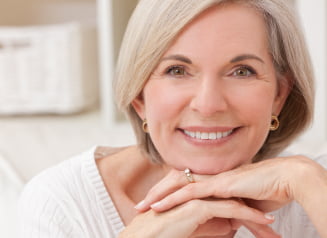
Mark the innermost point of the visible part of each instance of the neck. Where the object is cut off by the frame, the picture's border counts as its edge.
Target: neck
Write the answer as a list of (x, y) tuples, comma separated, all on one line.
[(143, 177), (134, 176)]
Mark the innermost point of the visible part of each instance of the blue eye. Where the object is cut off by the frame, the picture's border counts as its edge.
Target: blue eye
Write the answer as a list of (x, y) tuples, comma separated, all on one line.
[(176, 71), (244, 71)]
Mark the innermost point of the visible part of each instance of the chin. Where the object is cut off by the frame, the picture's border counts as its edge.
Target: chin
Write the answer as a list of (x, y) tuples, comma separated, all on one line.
[(207, 164), (213, 167), (205, 169), (208, 171)]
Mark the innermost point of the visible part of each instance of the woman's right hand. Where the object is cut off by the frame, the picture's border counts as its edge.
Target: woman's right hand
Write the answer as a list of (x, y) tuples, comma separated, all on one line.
[(200, 218)]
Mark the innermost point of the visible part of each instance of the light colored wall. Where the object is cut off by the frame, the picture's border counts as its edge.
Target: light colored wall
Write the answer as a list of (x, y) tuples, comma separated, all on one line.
[(314, 20), (122, 12), (112, 19), (22, 12)]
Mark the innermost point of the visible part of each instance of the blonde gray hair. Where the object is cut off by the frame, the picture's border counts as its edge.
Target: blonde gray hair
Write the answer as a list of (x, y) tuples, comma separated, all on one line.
[(156, 23)]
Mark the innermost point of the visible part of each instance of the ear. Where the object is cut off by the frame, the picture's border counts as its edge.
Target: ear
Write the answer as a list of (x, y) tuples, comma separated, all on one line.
[(284, 87), (139, 106)]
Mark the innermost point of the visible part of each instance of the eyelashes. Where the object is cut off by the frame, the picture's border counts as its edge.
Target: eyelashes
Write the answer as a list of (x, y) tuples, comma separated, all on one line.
[(176, 70), (239, 71), (243, 71)]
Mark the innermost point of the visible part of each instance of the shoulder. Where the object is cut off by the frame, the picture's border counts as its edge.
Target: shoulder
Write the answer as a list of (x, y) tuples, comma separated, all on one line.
[(59, 178), (48, 201), (68, 200)]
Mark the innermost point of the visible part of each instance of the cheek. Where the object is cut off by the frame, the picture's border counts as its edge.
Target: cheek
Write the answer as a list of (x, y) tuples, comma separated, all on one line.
[(163, 102), (255, 101), (255, 108)]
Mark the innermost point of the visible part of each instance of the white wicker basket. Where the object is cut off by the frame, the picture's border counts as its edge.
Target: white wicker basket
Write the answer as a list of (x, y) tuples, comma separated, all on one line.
[(48, 68)]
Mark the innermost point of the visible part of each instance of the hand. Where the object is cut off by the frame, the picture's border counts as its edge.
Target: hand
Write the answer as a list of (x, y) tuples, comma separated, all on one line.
[(200, 218), (267, 185)]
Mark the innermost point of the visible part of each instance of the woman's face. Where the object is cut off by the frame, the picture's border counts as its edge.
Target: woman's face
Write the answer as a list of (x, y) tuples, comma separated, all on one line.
[(209, 102)]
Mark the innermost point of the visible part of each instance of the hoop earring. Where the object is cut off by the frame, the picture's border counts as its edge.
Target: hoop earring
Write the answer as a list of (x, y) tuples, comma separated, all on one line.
[(145, 126), (274, 123)]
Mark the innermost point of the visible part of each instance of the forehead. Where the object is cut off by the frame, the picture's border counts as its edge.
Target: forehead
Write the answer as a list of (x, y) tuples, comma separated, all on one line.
[(228, 28)]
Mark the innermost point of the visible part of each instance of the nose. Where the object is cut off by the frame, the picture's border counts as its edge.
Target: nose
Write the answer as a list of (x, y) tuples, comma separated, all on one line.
[(210, 97)]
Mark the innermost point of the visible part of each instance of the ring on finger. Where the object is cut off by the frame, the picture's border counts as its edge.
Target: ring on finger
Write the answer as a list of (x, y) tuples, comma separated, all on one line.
[(189, 175)]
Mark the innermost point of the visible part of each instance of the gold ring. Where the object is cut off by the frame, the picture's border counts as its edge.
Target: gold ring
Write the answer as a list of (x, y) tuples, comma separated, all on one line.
[(189, 175)]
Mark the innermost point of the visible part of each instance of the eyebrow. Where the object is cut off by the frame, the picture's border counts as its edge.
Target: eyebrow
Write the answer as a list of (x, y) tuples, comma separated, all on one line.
[(178, 58), (246, 57), (234, 60)]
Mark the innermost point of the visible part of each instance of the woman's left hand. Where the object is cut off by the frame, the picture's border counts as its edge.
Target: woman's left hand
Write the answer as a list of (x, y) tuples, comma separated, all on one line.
[(266, 185)]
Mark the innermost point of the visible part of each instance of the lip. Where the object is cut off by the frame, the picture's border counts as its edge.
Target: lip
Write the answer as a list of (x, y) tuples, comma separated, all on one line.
[(207, 129), (206, 142)]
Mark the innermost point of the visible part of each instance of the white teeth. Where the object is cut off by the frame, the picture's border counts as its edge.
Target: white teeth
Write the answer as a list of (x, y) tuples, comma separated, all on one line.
[(224, 134), (197, 135), (208, 136), (204, 136), (212, 136), (192, 134)]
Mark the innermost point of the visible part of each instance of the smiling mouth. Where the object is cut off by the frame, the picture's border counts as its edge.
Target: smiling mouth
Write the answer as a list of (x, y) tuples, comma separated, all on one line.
[(208, 135)]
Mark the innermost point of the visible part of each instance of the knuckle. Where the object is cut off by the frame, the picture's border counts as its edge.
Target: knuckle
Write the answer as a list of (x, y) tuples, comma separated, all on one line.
[(193, 204), (234, 205), (176, 176), (235, 209), (223, 191), (190, 189)]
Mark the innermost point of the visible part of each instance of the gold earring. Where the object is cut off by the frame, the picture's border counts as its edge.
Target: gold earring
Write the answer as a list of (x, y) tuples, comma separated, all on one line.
[(145, 126), (274, 123)]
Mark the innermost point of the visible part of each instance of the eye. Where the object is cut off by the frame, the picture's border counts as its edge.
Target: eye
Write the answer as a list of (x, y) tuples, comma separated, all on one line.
[(244, 71), (176, 71)]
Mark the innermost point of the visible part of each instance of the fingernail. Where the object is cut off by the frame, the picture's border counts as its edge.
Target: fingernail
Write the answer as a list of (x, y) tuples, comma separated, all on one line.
[(155, 205), (140, 205), (269, 217)]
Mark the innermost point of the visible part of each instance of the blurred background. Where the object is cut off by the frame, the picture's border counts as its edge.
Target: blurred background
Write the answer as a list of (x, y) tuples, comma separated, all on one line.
[(57, 59)]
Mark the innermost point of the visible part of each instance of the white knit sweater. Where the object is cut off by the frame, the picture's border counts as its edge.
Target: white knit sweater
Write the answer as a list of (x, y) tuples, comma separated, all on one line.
[(70, 200)]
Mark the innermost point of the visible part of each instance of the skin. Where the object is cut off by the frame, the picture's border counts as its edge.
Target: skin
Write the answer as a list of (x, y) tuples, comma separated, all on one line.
[(216, 77), (201, 91), (215, 218), (292, 178)]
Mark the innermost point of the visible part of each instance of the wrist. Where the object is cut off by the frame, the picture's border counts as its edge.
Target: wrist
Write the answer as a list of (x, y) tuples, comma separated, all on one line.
[(311, 194), (309, 183)]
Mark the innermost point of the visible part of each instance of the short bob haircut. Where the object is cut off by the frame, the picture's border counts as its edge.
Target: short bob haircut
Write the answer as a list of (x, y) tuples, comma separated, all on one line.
[(156, 23)]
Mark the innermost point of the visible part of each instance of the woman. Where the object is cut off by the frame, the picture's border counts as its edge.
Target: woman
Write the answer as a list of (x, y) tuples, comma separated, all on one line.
[(215, 90)]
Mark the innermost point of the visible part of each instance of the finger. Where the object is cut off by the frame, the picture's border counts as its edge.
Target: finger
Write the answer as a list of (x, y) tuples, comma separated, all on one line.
[(169, 184), (214, 227), (236, 224), (184, 220), (264, 205), (191, 191), (225, 227), (225, 185), (193, 214), (260, 231), (228, 209)]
